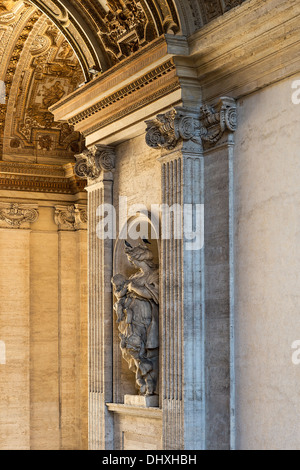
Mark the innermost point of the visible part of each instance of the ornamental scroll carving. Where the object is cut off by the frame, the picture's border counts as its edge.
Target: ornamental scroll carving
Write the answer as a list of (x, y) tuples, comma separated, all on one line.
[(72, 217), (215, 121), (166, 131), (137, 317), (92, 162), (16, 215)]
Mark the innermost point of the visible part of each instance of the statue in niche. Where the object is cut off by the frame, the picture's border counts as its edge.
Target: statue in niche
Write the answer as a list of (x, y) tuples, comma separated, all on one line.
[(137, 317)]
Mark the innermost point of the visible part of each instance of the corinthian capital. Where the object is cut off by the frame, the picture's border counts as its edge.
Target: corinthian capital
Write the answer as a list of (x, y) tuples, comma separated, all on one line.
[(92, 162), (71, 217), (16, 215), (216, 120), (177, 125), (209, 124)]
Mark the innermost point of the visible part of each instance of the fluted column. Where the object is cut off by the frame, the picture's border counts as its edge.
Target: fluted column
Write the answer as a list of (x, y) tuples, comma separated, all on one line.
[(180, 134), (97, 165)]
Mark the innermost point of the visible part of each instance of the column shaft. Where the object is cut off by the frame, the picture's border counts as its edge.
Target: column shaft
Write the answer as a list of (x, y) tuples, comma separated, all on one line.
[(100, 323), (182, 313)]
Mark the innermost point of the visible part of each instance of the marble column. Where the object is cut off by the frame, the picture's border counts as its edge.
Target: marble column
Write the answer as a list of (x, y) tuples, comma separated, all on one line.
[(97, 165), (181, 135)]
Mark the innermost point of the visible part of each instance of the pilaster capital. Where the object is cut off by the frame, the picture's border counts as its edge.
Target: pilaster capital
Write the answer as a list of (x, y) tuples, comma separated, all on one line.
[(72, 217), (167, 130), (215, 121), (16, 215), (93, 162), (192, 128)]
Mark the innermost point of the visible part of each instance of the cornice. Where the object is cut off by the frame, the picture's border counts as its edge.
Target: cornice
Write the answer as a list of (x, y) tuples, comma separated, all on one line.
[(137, 105), (39, 178), (129, 89), (119, 73)]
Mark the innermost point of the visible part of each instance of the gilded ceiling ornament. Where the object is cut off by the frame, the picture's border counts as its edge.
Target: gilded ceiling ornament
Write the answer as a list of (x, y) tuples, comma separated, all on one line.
[(53, 94), (123, 30), (41, 43), (35, 84), (45, 142)]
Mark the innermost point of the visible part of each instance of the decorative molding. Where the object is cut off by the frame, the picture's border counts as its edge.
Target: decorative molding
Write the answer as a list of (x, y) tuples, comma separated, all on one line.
[(15, 214), (139, 104), (179, 124), (39, 178), (31, 169), (153, 413), (125, 91), (92, 162), (138, 58), (72, 217)]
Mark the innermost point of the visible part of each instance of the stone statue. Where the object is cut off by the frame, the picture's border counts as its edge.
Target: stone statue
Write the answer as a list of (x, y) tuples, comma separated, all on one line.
[(137, 317)]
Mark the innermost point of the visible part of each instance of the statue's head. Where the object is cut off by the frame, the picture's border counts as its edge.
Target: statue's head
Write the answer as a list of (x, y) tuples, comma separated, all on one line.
[(139, 255)]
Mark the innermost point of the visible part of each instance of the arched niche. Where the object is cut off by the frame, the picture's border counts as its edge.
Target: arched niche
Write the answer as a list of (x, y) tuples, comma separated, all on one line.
[(124, 379), (148, 226)]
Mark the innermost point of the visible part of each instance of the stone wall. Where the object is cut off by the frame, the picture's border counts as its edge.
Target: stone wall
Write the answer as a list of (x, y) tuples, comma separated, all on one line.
[(267, 203), (43, 323)]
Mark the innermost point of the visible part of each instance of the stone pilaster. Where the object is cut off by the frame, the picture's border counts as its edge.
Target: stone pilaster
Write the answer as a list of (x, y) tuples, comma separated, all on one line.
[(186, 386), (72, 319), (97, 165), (15, 224), (218, 126), (182, 296)]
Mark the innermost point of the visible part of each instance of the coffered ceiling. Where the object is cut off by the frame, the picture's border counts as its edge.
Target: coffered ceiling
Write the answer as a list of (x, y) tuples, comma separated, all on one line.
[(49, 47)]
